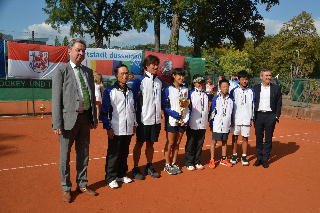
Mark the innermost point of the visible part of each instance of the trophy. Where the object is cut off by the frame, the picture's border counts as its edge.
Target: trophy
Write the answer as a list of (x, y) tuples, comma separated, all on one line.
[(183, 103), (42, 109)]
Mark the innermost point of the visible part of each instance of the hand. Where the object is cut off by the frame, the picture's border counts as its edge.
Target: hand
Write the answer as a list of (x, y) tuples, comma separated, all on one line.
[(110, 133), (57, 131), (182, 123)]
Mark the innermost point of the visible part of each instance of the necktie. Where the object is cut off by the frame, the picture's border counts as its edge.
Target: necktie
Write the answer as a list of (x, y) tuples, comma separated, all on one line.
[(85, 92)]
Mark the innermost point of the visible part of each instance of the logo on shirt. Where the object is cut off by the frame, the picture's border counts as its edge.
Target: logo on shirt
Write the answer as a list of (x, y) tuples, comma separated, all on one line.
[(38, 61)]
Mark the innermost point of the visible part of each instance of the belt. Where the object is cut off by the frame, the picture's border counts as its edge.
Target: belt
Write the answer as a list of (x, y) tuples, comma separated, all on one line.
[(83, 112), (264, 111)]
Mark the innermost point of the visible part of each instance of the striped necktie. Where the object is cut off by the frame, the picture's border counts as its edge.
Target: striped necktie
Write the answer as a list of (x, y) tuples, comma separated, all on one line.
[(85, 92)]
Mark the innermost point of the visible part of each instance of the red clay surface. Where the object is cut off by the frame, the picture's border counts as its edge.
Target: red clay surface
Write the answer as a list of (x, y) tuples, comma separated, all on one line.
[(29, 156)]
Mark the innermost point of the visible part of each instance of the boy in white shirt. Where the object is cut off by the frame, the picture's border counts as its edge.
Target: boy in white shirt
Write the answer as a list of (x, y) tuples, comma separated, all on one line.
[(243, 112), (220, 122), (197, 124)]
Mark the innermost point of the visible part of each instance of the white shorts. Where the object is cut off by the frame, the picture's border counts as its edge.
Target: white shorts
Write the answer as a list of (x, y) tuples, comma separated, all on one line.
[(243, 129)]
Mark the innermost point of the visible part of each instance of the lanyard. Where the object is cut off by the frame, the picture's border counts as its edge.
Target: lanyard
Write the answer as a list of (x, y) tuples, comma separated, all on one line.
[(224, 106)]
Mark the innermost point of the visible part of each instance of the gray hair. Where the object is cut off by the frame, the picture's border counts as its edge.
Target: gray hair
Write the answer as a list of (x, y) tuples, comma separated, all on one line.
[(265, 70), (75, 40)]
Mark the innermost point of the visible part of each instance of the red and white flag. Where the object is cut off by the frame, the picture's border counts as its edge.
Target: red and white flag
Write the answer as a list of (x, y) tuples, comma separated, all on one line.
[(34, 60)]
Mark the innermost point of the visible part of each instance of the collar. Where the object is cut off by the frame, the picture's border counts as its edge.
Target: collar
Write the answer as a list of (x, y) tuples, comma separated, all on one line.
[(227, 96), (73, 65), (149, 75), (265, 86), (197, 90), (123, 89)]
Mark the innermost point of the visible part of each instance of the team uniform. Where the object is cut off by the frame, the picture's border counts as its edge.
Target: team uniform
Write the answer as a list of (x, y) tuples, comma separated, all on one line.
[(171, 107), (197, 126), (147, 92), (243, 110), (118, 114), (220, 117)]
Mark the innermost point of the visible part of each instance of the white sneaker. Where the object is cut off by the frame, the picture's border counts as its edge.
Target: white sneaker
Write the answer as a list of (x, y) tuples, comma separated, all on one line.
[(113, 184), (124, 179), (190, 168), (199, 167)]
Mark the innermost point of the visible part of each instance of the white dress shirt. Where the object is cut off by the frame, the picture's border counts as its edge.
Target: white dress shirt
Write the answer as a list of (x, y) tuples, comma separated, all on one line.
[(264, 104)]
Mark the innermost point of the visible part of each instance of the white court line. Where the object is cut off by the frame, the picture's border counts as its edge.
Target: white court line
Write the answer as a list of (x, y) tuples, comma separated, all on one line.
[(103, 157)]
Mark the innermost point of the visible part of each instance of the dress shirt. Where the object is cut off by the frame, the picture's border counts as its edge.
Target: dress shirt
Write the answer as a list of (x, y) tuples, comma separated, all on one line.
[(264, 104)]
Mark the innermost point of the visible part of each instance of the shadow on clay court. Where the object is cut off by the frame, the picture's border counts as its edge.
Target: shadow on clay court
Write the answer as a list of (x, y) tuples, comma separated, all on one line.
[(279, 150), (6, 149)]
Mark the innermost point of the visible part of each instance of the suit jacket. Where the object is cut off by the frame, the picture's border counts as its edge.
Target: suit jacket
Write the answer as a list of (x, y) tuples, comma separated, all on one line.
[(65, 98), (275, 98)]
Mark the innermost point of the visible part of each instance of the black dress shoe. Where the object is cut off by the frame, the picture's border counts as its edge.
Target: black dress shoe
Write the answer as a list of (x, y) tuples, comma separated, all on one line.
[(265, 164), (257, 163)]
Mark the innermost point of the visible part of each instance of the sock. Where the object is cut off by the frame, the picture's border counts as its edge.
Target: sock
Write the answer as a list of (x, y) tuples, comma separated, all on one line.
[(235, 154), (244, 155), (223, 157)]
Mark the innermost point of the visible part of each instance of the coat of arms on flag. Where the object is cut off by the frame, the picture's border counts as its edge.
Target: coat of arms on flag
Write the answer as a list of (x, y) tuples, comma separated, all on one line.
[(38, 61)]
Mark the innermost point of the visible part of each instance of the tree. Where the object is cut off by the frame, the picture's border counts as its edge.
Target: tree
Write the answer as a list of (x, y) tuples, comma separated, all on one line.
[(295, 53), (143, 12), (57, 42), (174, 13), (210, 22), (234, 60), (65, 41), (100, 19), (260, 53)]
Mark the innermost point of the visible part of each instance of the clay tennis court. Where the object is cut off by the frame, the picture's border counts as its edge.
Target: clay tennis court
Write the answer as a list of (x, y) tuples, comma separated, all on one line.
[(29, 163)]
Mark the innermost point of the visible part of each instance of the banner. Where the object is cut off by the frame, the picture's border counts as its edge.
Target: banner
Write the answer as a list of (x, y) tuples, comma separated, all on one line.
[(167, 63), (2, 59), (104, 61), (25, 83), (34, 60)]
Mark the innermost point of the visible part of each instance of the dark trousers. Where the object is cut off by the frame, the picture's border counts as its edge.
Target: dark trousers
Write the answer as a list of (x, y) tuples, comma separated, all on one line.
[(264, 127), (80, 134), (193, 149), (117, 154)]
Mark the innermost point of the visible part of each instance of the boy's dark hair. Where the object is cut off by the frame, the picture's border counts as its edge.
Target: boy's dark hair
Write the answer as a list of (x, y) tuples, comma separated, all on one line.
[(150, 59), (222, 81), (117, 68), (178, 71), (243, 74)]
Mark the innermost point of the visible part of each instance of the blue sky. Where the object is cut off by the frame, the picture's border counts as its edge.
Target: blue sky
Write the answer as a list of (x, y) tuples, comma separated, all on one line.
[(20, 17)]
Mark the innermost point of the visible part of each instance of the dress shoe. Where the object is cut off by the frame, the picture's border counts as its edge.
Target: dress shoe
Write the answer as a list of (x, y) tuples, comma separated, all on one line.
[(265, 164), (66, 197), (87, 191), (257, 163)]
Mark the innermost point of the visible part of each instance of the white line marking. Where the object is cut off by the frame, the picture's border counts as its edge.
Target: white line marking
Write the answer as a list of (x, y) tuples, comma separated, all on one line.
[(104, 157)]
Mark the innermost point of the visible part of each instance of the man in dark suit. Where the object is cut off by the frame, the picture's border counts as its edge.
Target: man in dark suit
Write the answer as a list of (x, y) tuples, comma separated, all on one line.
[(73, 114), (268, 104)]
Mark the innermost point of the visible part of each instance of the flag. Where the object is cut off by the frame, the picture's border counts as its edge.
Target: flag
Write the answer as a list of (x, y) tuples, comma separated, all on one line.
[(2, 59), (34, 60), (167, 63), (104, 61)]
